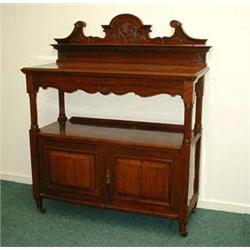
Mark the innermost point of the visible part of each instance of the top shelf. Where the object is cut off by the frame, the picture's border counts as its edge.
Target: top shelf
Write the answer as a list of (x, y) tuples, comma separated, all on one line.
[(120, 69)]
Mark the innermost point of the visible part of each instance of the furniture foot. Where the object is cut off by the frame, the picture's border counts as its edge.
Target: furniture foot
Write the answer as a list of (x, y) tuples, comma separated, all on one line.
[(39, 205), (194, 208), (183, 229), (42, 210)]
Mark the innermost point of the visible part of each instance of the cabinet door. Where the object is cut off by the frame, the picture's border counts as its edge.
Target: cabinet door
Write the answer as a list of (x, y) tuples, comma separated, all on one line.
[(71, 171), (141, 183)]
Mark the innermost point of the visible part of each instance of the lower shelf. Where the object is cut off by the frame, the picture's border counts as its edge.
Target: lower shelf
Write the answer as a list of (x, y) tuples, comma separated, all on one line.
[(137, 133)]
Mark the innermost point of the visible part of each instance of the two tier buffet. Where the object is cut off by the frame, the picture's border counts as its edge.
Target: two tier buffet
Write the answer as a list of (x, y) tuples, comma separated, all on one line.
[(133, 166)]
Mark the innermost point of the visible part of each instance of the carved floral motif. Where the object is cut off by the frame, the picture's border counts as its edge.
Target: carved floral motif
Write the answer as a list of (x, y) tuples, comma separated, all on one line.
[(127, 31)]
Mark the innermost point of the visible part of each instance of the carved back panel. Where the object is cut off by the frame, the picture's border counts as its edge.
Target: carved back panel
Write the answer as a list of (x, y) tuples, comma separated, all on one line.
[(127, 40)]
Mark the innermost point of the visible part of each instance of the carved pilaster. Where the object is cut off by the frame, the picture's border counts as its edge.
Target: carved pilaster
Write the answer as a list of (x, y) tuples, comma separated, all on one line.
[(199, 97), (188, 99), (199, 89)]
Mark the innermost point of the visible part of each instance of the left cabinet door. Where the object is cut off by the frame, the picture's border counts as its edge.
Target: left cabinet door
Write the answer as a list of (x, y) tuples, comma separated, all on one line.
[(70, 170)]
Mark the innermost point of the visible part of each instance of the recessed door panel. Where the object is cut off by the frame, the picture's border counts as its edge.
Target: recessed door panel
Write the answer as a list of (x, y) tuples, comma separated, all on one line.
[(141, 181), (72, 169), (128, 175), (155, 180)]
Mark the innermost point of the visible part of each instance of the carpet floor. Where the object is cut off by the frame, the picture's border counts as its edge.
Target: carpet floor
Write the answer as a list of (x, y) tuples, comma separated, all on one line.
[(67, 224)]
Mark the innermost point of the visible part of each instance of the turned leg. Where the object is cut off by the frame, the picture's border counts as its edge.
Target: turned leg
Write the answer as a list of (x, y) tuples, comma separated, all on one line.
[(183, 229), (188, 98), (62, 117), (39, 205)]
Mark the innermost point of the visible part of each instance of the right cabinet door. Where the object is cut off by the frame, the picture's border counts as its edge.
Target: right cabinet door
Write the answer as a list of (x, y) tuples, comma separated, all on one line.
[(142, 183)]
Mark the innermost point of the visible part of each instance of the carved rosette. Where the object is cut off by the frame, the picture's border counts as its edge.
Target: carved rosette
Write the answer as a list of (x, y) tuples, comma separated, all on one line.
[(128, 29)]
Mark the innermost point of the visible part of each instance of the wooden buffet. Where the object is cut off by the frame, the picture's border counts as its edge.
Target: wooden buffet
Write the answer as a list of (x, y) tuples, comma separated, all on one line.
[(150, 168)]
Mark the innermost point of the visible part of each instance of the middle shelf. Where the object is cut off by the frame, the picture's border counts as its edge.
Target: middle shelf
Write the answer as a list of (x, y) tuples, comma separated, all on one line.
[(118, 131)]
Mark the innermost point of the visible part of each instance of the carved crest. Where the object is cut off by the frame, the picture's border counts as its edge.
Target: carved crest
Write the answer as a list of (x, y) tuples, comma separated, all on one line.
[(128, 29)]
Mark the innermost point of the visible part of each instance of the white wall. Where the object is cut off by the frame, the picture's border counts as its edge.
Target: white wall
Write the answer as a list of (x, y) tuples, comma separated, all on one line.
[(1, 99), (225, 175)]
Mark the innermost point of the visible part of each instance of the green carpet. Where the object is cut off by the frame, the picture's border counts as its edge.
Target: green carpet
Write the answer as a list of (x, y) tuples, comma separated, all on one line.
[(67, 224)]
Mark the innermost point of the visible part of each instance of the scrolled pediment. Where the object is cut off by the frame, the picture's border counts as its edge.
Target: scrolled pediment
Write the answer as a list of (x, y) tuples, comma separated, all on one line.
[(128, 29)]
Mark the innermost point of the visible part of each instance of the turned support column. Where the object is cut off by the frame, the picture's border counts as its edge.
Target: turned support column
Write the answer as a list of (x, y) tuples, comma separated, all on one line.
[(62, 117), (33, 112), (32, 90), (188, 99)]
